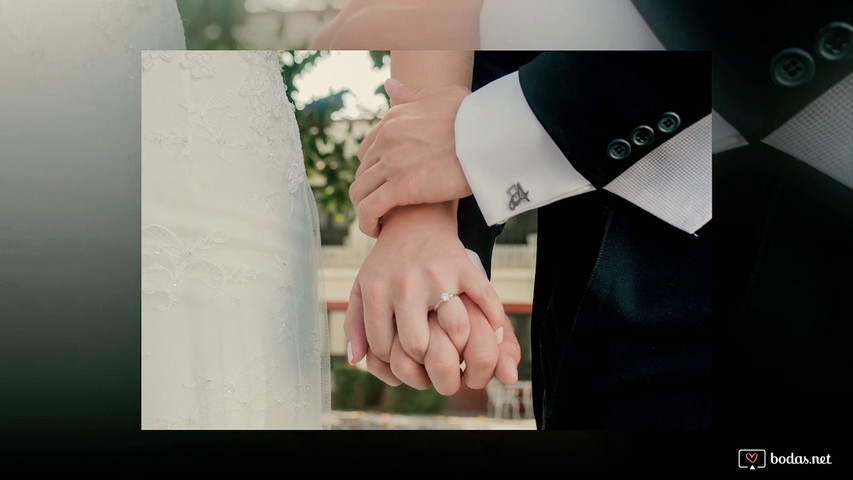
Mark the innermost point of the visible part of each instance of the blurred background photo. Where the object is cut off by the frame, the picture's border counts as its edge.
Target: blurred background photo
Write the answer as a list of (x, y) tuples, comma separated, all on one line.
[(339, 96), (254, 24)]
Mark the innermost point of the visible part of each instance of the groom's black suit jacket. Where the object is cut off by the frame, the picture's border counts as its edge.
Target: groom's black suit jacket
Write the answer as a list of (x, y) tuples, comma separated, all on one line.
[(622, 307), (603, 320)]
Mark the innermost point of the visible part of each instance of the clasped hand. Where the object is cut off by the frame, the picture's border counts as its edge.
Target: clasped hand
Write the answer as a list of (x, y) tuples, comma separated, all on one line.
[(389, 320)]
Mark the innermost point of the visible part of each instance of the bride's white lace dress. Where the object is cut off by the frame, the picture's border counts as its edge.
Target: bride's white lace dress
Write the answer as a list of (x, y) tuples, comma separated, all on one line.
[(233, 331)]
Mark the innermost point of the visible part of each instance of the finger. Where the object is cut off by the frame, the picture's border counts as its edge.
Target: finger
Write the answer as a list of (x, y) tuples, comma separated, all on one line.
[(453, 319), (368, 141), (354, 327), (399, 92), (378, 320), (367, 154), (509, 355), (410, 311), (406, 369), (381, 370), (372, 208), (481, 291), (442, 360), (364, 185), (481, 352)]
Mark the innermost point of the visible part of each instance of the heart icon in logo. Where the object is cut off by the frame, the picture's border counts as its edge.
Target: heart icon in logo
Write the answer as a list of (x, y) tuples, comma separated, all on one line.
[(752, 457)]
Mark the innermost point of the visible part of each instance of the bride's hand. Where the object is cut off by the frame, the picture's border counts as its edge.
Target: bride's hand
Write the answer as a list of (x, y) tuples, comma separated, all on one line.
[(403, 25), (417, 257), (409, 157)]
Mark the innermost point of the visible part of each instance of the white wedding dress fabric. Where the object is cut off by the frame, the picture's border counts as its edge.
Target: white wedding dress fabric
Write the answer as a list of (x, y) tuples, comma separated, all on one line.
[(234, 334)]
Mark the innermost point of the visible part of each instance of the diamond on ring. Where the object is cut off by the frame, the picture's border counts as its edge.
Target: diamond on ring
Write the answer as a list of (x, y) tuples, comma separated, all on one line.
[(445, 296)]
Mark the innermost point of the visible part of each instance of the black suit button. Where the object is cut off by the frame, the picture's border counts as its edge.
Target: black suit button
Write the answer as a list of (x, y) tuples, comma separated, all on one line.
[(669, 122), (642, 135), (618, 149), (792, 67), (835, 41)]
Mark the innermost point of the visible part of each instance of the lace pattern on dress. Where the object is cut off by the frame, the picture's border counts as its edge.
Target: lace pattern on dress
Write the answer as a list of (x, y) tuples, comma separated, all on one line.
[(217, 119), (246, 254)]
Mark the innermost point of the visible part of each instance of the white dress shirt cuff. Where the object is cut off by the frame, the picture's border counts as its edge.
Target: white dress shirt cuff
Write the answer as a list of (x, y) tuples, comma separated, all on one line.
[(511, 163)]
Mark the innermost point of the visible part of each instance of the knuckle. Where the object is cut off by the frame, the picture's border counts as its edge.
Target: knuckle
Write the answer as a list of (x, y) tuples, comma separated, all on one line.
[(433, 272), (390, 122), (353, 193), (414, 345), (445, 366), (382, 353), (405, 280), (390, 125), (458, 327), (366, 222), (362, 212), (403, 370), (373, 293), (482, 359), (389, 115)]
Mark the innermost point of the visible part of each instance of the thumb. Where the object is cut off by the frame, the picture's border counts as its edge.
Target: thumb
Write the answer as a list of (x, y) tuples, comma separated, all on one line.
[(400, 92)]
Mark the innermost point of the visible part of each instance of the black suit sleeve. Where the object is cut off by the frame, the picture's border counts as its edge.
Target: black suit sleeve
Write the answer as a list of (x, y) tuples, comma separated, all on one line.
[(756, 86), (586, 100)]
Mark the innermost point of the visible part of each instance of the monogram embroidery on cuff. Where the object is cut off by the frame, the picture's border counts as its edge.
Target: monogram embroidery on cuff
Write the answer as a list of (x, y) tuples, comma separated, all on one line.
[(516, 195)]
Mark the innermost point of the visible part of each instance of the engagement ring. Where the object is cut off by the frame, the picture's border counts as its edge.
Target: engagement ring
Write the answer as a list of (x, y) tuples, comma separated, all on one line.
[(445, 296)]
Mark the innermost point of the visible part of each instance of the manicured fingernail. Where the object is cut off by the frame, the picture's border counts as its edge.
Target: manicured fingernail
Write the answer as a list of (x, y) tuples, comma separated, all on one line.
[(393, 83), (499, 334), (349, 352)]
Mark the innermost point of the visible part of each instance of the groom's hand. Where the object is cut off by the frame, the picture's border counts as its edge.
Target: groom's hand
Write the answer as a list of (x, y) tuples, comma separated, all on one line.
[(481, 362), (487, 353), (409, 157)]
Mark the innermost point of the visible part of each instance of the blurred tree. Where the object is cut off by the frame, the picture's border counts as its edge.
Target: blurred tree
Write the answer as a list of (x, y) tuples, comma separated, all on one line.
[(326, 157)]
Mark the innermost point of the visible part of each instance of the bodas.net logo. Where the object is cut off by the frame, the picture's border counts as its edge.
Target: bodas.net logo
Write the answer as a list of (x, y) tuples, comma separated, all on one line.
[(751, 458)]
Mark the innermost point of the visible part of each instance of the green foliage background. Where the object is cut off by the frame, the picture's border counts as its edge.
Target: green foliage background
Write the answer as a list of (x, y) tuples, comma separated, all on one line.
[(325, 157), (331, 170)]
